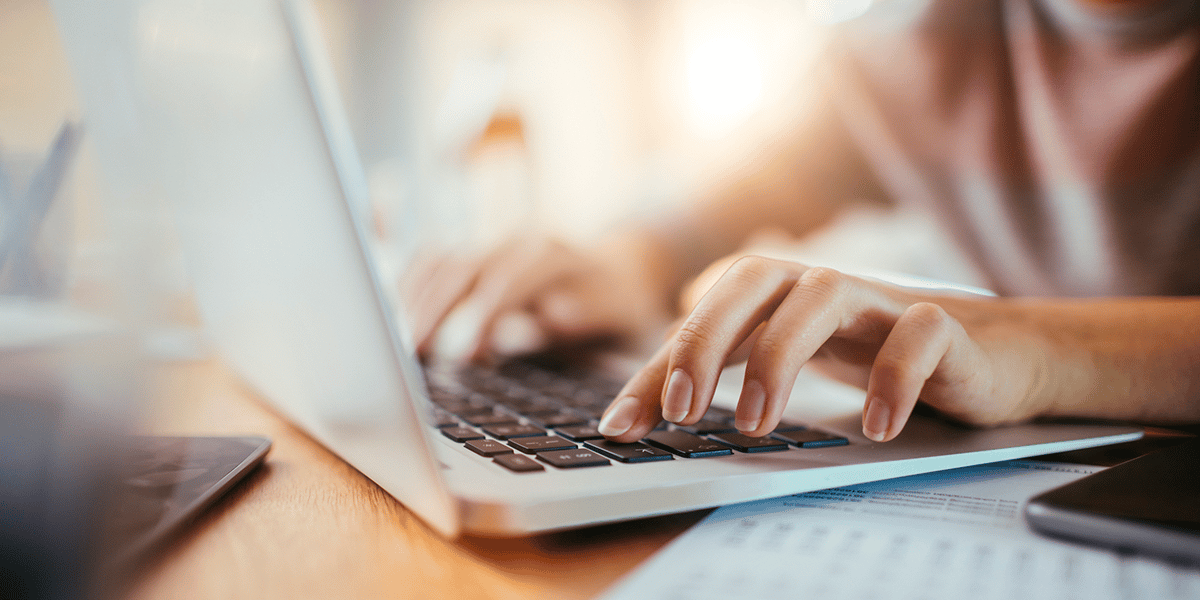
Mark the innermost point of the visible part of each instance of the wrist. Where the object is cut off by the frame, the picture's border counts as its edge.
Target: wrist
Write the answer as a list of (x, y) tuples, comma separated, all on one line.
[(1085, 365), (1032, 373)]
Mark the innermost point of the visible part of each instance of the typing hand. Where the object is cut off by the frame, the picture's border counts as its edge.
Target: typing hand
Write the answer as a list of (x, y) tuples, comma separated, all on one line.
[(560, 294), (974, 366)]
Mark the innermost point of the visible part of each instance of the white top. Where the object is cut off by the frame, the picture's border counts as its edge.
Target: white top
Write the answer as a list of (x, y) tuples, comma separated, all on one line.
[(1057, 141)]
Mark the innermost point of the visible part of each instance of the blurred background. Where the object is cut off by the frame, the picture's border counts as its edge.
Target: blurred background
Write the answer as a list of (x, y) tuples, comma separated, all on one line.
[(572, 112), (565, 116), (576, 112)]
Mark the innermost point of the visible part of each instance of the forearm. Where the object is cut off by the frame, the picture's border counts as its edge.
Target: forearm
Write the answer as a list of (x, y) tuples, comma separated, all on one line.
[(1131, 359), (795, 202), (795, 183), (796, 188)]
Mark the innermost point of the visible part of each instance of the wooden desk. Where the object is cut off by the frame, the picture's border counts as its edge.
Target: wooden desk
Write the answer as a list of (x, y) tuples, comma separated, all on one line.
[(307, 525)]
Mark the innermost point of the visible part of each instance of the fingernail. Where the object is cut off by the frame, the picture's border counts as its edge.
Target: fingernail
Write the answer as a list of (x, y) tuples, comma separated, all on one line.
[(517, 333), (619, 418), (562, 309), (750, 406), (875, 423), (458, 339), (678, 399)]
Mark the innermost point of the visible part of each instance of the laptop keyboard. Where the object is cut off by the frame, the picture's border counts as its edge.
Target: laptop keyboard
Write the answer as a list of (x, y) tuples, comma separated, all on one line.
[(525, 418)]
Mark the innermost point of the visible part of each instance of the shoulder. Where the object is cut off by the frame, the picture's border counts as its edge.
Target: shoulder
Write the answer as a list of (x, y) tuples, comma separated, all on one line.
[(1120, 20), (934, 19)]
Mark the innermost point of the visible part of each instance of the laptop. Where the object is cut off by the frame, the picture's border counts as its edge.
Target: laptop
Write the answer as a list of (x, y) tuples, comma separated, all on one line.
[(248, 141)]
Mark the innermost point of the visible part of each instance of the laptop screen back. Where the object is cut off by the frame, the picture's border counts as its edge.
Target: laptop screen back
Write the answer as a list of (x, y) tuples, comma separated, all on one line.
[(244, 135)]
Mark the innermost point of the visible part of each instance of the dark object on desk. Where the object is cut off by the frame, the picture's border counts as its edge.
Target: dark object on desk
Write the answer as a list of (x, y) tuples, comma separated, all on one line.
[(1149, 505), (162, 483), (50, 476), (1155, 438)]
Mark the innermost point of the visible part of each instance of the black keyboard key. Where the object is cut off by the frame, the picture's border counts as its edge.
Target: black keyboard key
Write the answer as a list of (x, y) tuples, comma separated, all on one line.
[(505, 432), (501, 388), (487, 447), (810, 438), (586, 398), (721, 415), (745, 443), (493, 418), (518, 463), (559, 419), (605, 386), (707, 426), (563, 388), (481, 378), (686, 445), (533, 445), (475, 413), (537, 415), (579, 433), (570, 459), (592, 412), (787, 426), (443, 419), (469, 402), (528, 406), (510, 431), (459, 407), (442, 397), (634, 452), (461, 434), (531, 376)]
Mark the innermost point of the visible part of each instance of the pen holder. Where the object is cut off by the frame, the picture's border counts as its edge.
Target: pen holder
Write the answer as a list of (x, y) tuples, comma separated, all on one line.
[(37, 221)]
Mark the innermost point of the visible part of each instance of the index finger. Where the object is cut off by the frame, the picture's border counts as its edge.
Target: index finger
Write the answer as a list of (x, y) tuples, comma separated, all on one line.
[(745, 296), (748, 292), (636, 410)]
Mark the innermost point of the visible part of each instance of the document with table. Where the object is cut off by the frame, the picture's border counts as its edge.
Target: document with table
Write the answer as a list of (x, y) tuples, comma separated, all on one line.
[(953, 534)]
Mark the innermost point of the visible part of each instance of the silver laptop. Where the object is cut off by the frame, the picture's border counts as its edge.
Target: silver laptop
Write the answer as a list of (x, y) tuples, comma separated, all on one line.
[(239, 116)]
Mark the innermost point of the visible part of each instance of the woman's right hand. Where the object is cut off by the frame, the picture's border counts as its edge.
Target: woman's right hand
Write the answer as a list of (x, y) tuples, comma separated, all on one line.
[(981, 361), (543, 291)]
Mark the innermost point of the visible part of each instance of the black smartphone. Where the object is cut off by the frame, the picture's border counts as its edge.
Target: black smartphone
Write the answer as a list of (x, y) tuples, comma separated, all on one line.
[(162, 483), (1148, 505)]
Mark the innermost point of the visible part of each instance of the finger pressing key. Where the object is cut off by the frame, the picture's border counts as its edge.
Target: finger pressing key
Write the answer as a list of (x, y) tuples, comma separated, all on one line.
[(637, 409), (728, 314), (813, 311), (923, 341)]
